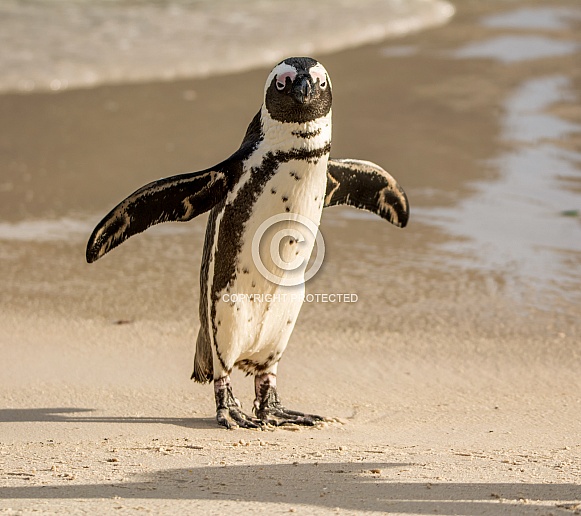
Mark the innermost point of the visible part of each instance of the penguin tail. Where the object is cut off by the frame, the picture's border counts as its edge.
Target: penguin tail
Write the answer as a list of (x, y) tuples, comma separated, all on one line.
[(200, 374), (203, 366)]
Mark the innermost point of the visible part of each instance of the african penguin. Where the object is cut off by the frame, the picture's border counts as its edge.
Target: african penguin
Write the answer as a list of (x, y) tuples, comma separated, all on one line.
[(282, 170)]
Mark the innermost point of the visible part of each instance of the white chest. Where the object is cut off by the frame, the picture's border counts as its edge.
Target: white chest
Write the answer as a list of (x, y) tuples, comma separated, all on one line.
[(261, 317)]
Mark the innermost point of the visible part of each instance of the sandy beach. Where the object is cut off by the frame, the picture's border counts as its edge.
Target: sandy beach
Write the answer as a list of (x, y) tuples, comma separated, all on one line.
[(453, 380)]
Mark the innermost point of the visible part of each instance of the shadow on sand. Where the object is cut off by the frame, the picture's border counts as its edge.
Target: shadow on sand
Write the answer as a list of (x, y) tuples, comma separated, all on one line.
[(71, 415), (349, 486)]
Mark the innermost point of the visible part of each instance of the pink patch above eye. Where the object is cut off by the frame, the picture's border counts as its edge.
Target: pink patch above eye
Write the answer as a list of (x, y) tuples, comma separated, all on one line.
[(315, 74), (282, 77)]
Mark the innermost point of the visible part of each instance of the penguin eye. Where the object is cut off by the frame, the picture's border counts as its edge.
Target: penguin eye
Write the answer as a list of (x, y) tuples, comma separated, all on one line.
[(280, 85), (323, 85)]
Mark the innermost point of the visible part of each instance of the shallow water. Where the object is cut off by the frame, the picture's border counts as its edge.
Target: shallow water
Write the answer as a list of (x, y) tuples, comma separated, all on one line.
[(545, 18), (513, 48), (81, 43), (526, 221), (519, 222)]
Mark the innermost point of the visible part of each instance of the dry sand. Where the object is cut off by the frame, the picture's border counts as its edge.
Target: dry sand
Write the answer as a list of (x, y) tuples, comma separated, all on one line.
[(458, 389)]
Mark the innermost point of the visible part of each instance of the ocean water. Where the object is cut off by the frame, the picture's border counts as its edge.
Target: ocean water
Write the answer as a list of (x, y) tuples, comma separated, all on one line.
[(526, 222), (60, 44)]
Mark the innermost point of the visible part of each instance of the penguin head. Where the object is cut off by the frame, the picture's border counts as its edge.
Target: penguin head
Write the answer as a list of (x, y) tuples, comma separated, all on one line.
[(298, 90)]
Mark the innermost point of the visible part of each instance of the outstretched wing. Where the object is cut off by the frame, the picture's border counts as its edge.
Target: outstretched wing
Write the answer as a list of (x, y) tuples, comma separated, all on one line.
[(365, 185), (178, 198)]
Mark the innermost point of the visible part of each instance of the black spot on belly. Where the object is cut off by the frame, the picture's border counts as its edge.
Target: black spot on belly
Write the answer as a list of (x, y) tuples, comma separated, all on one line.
[(234, 215), (287, 209), (295, 176), (284, 198), (273, 191), (252, 367), (245, 270)]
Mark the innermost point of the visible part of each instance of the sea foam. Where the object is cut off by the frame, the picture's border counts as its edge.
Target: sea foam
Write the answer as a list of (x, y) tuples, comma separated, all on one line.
[(60, 44)]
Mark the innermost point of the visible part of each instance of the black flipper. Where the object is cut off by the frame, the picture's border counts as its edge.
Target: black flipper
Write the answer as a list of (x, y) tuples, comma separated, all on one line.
[(365, 185), (178, 198)]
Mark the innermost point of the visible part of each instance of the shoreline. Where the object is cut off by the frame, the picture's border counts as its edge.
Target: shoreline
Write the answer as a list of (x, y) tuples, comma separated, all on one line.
[(131, 43)]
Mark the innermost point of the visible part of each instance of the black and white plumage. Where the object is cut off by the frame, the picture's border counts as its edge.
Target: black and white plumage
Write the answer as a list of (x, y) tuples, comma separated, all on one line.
[(282, 166)]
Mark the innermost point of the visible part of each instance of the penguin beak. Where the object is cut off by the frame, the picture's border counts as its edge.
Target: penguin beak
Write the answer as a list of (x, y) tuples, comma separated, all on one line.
[(302, 89)]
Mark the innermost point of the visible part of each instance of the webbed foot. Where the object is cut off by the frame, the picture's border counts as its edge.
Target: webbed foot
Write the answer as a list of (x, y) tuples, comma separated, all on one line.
[(229, 412), (269, 409)]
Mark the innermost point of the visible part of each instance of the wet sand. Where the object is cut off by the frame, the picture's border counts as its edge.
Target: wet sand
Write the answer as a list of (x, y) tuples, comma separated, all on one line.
[(455, 375)]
